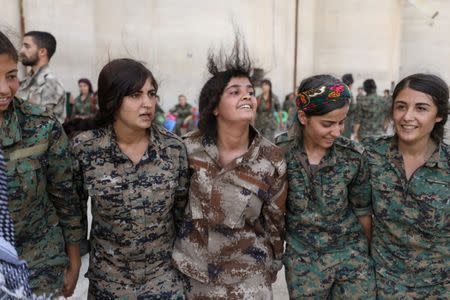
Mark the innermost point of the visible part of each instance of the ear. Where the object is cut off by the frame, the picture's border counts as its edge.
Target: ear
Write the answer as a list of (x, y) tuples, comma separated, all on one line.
[(438, 119), (215, 112), (42, 52), (302, 118)]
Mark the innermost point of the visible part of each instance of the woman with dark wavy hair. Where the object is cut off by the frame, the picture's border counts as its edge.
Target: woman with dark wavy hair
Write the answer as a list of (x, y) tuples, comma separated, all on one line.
[(231, 238), (410, 178)]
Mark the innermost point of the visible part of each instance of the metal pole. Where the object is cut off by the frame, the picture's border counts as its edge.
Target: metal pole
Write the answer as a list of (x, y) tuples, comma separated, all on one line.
[(295, 45)]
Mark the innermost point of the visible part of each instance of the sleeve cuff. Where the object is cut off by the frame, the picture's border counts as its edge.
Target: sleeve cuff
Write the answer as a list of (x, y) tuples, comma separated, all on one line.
[(365, 211)]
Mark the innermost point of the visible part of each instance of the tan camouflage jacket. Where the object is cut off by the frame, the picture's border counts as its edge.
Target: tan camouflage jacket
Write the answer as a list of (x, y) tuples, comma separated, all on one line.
[(44, 89), (234, 222)]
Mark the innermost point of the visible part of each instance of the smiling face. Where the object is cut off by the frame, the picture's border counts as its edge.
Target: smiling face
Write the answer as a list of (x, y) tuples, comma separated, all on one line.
[(137, 110), (415, 115), (237, 103), (321, 131), (9, 83)]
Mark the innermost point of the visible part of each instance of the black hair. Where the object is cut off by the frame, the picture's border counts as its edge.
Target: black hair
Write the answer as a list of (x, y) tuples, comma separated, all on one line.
[(347, 79), (437, 89), (6, 47), (88, 82), (43, 40), (369, 86), (119, 78), (269, 83), (317, 81), (222, 67)]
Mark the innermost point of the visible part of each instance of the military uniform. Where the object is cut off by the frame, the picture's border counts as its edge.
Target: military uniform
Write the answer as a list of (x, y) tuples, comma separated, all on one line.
[(181, 112), (134, 212), (231, 241), (82, 108), (160, 116), (42, 199), (371, 113), (290, 107), (326, 249), (45, 90), (265, 120), (349, 120), (411, 237)]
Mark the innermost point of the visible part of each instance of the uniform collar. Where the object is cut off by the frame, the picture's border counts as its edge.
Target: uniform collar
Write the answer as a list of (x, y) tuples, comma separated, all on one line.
[(10, 130), (252, 153), (37, 78)]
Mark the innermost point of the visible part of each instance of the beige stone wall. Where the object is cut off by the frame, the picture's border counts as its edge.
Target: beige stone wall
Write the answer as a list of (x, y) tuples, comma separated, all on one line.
[(382, 39)]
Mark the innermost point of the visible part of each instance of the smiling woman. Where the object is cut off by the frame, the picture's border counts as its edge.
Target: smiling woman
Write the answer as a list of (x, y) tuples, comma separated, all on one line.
[(231, 241), (136, 175), (42, 200), (328, 218), (410, 178)]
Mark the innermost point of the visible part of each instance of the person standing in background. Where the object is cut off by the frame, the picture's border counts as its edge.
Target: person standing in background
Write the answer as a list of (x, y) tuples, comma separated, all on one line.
[(267, 104), (41, 86), (82, 106)]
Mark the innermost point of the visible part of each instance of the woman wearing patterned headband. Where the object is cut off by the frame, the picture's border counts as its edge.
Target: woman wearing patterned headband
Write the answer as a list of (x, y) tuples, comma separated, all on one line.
[(328, 218)]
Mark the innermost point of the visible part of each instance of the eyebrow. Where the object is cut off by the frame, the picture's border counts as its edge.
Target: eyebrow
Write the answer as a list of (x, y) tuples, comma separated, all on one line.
[(238, 86), (420, 103)]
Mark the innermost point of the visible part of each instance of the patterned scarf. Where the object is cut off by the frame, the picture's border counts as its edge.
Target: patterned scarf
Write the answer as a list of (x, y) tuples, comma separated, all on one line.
[(324, 95)]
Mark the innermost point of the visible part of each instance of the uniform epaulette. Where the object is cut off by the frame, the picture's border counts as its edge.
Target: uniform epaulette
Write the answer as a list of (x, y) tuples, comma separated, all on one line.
[(347, 143), (32, 109), (163, 131), (283, 138), (87, 136)]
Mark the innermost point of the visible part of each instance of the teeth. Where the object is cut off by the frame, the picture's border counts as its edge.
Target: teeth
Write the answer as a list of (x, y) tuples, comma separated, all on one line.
[(408, 126), (246, 106)]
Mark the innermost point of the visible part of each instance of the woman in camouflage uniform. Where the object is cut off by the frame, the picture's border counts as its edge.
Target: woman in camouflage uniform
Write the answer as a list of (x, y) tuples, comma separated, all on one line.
[(136, 175), (42, 199), (267, 104), (328, 219), (82, 105), (231, 240), (410, 178)]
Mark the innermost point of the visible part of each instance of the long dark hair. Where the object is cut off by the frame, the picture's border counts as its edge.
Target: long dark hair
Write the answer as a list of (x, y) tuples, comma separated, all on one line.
[(6, 47), (119, 78), (437, 89), (269, 101), (89, 84), (222, 67)]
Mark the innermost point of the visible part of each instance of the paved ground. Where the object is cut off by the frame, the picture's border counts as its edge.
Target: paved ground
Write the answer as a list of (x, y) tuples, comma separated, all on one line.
[(279, 288)]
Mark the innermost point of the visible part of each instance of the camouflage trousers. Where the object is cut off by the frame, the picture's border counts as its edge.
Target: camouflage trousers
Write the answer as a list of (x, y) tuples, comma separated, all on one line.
[(388, 289), (337, 275), (47, 281), (169, 286), (255, 287)]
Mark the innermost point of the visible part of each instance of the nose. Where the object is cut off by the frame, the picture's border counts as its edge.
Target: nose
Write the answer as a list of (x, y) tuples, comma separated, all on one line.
[(336, 131), (409, 114), (246, 97), (148, 101), (4, 87)]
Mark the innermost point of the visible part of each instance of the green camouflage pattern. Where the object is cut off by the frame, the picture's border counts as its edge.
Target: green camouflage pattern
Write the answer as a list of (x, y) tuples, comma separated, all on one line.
[(135, 209), (265, 121), (42, 198), (371, 113), (323, 233), (233, 229), (411, 235), (82, 108)]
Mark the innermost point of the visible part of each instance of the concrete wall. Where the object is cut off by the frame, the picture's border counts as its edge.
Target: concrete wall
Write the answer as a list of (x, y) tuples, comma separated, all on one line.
[(425, 43), (381, 39)]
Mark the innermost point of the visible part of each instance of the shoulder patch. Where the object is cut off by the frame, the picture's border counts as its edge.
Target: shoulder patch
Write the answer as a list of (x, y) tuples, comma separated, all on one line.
[(347, 143)]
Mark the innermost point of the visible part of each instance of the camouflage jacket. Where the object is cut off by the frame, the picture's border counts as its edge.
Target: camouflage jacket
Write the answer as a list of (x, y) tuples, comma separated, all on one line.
[(181, 112), (134, 207), (44, 89), (82, 108), (371, 112), (234, 222), (42, 199), (325, 201), (411, 238)]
